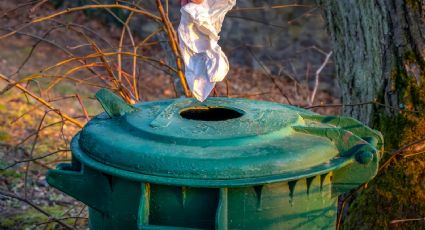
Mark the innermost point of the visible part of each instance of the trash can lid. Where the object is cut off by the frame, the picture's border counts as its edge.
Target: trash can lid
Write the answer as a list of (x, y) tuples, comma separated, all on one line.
[(219, 139)]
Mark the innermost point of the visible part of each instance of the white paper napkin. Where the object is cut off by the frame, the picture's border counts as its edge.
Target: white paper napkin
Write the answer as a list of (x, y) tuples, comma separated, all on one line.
[(205, 62)]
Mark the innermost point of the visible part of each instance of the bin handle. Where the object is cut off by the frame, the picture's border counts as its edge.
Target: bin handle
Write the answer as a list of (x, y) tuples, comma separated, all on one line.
[(113, 105), (372, 136), (354, 141), (80, 184)]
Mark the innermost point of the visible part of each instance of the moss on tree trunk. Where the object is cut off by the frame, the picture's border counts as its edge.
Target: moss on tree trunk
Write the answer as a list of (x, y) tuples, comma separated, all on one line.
[(379, 51)]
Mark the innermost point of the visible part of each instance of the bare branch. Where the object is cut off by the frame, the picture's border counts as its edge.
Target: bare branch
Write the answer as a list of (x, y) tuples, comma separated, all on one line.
[(407, 220), (266, 71), (174, 47), (34, 159), (317, 81), (42, 101), (11, 195), (70, 10)]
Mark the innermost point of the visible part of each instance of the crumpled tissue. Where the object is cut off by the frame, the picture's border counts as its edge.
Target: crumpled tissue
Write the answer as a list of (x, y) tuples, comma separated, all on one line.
[(205, 62)]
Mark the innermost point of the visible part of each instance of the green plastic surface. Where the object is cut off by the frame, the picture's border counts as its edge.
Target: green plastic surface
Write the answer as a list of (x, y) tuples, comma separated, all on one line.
[(158, 141), (221, 164)]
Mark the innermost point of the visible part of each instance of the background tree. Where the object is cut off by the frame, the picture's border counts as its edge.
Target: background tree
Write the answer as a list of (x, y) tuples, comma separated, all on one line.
[(379, 49)]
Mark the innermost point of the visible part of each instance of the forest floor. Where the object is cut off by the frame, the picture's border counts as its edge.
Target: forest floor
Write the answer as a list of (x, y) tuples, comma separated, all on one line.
[(27, 180)]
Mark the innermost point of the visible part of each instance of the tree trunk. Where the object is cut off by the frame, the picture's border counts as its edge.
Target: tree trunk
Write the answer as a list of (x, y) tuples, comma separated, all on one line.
[(379, 48)]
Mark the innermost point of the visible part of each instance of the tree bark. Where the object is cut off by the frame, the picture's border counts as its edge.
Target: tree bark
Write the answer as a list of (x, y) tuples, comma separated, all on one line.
[(379, 48)]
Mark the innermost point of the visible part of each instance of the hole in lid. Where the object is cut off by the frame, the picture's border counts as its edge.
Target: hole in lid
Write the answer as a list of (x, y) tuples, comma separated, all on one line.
[(210, 113)]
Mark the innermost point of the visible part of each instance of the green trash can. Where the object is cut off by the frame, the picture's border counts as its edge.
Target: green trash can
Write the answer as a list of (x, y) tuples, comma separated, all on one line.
[(225, 163)]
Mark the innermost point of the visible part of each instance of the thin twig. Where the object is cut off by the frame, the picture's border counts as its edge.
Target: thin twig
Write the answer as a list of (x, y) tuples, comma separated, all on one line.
[(40, 38), (122, 90), (413, 154), (227, 87), (290, 22), (36, 6), (174, 47), (70, 10), (127, 28), (11, 195), (344, 203), (407, 220), (86, 114), (399, 151), (34, 143), (267, 23), (63, 218), (95, 33), (79, 214), (34, 159), (18, 7), (56, 45), (249, 95), (275, 7), (363, 103), (34, 133), (317, 81), (97, 55), (42, 101), (266, 71), (32, 51)]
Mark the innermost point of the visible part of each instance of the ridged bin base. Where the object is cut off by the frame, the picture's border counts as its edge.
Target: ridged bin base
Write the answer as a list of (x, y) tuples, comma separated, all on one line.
[(118, 203)]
